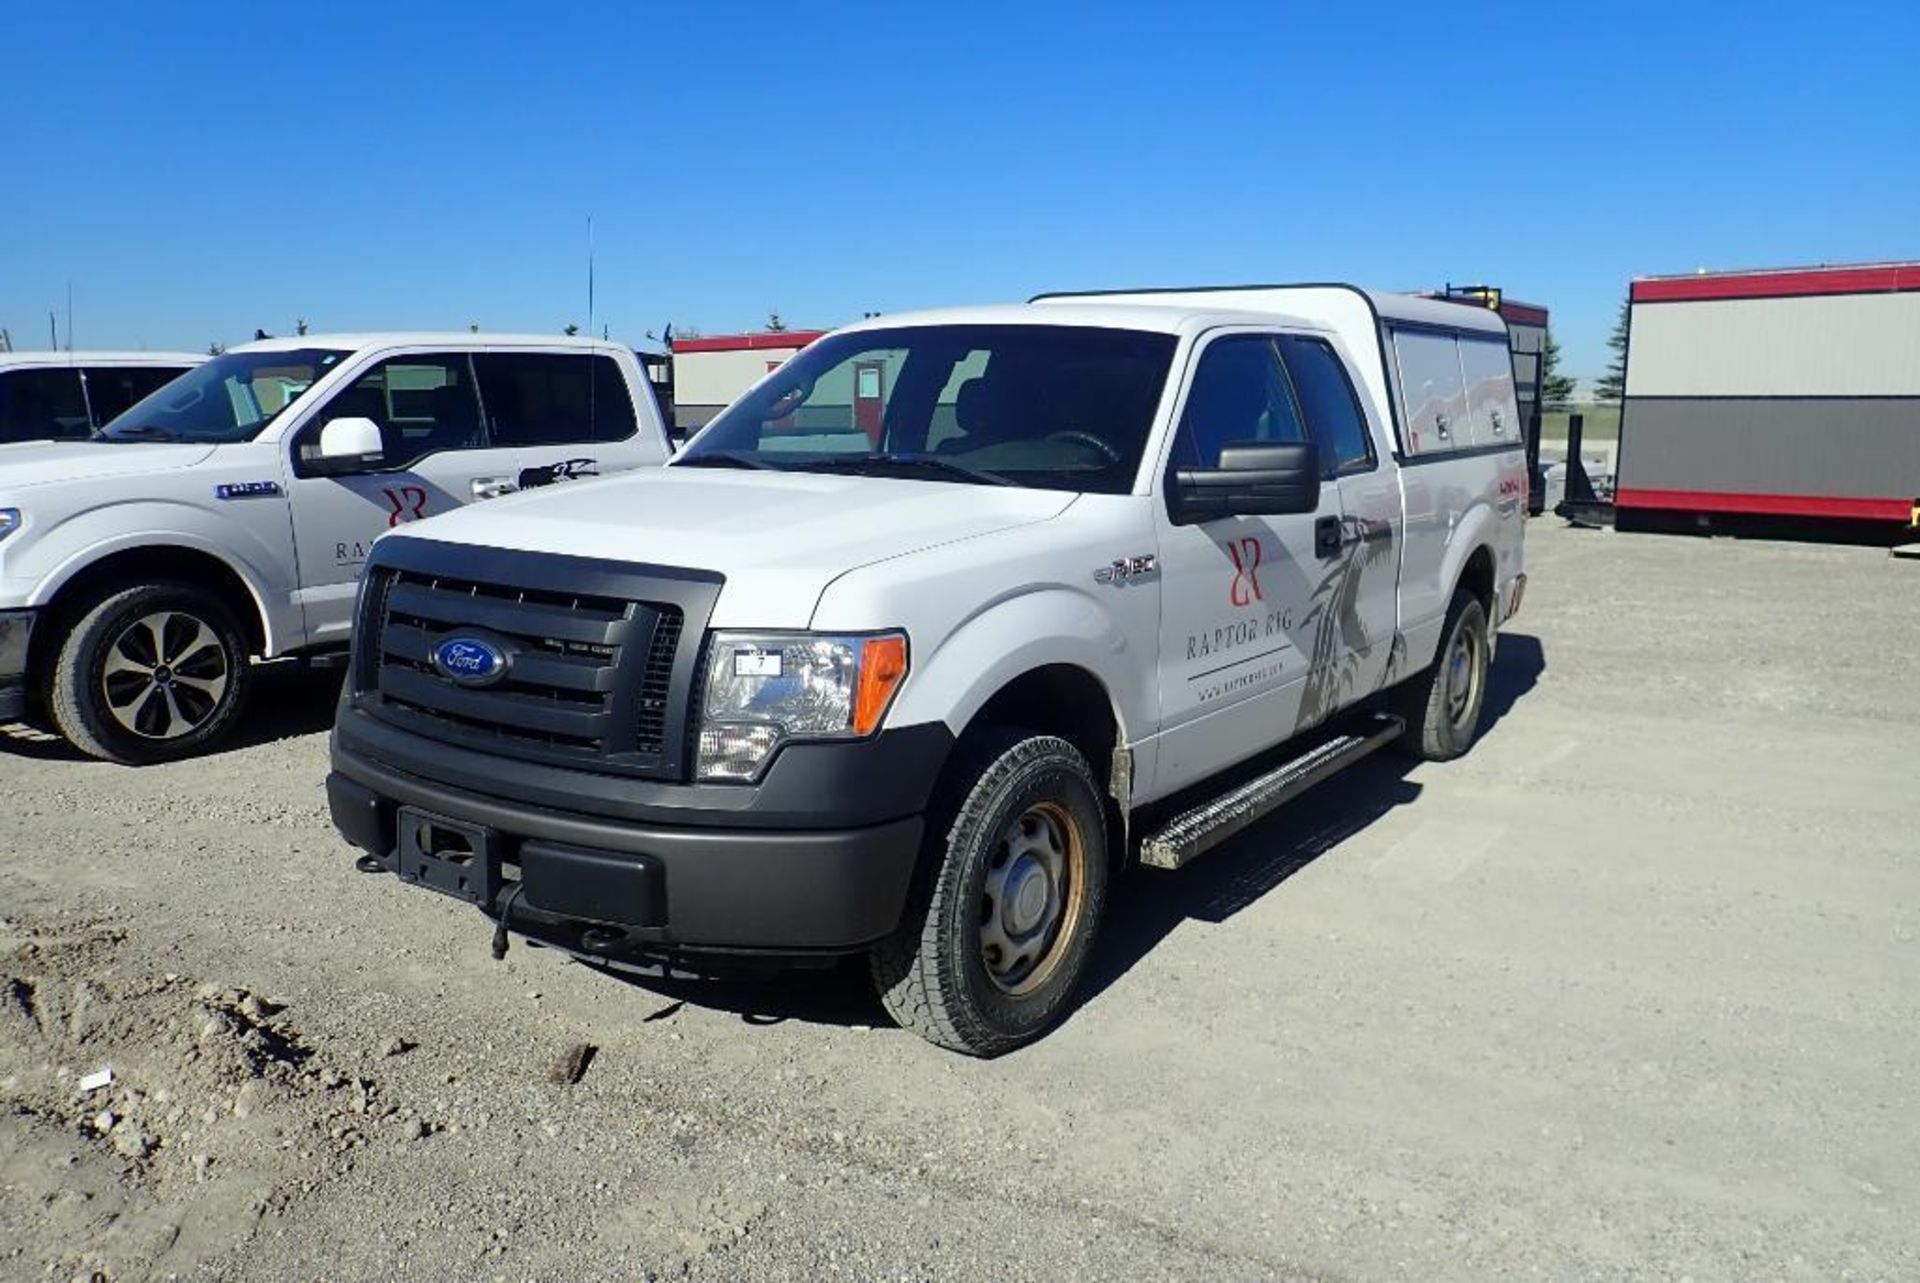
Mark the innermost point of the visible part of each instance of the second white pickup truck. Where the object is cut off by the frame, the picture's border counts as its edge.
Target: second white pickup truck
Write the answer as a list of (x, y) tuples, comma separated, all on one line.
[(228, 513), (941, 624)]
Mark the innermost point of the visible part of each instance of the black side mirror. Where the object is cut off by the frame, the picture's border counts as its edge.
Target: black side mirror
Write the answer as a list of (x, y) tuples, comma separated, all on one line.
[(1251, 480)]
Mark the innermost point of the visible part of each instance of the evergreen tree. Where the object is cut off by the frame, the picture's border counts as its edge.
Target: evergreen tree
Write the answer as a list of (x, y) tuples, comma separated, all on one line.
[(1556, 389), (1612, 385)]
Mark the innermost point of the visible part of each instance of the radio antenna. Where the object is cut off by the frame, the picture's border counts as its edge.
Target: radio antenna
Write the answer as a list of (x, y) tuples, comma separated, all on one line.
[(589, 274)]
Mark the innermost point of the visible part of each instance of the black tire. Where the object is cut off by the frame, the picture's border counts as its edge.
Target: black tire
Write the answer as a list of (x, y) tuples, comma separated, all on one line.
[(1442, 716), (939, 975), (162, 715)]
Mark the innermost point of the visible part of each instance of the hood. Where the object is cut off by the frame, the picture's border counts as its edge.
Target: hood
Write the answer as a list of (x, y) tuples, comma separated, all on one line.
[(33, 463), (779, 538)]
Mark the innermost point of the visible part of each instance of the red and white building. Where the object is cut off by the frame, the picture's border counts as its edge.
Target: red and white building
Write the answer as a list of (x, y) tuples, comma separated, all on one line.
[(710, 371), (1791, 393)]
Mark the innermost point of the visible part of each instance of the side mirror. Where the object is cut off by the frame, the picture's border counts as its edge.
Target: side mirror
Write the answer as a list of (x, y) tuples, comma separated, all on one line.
[(1251, 481), (347, 445)]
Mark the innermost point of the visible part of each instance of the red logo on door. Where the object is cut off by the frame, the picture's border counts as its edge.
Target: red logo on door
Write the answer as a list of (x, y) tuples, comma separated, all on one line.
[(409, 503), (1246, 571)]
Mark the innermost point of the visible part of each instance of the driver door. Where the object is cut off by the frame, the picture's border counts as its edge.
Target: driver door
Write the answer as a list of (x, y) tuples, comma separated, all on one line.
[(435, 456), (1242, 597)]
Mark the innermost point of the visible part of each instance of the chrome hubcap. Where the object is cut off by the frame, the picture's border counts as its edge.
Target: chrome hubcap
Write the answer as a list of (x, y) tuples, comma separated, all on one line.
[(1031, 899), (165, 675)]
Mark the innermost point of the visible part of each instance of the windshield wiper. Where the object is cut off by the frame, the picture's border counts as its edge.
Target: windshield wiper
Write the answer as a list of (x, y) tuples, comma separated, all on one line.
[(866, 463), (726, 459), (139, 432)]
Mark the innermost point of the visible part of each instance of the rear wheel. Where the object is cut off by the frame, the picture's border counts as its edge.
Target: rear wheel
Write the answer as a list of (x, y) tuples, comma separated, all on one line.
[(1004, 917), (150, 674), (1442, 705)]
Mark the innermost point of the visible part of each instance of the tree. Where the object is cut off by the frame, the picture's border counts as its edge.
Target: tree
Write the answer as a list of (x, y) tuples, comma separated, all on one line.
[(1556, 389), (1612, 385), (776, 324), (215, 349), (571, 330), (300, 326)]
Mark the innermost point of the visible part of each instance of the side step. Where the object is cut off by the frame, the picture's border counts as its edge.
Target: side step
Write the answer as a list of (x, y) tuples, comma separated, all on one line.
[(1213, 822)]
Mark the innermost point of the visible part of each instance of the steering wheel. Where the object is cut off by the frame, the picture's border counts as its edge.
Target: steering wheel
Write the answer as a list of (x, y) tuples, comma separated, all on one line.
[(1077, 437)]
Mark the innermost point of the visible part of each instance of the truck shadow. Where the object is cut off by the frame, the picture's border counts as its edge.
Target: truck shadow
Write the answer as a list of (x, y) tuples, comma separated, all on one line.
[(1145, 906), (288, 700)]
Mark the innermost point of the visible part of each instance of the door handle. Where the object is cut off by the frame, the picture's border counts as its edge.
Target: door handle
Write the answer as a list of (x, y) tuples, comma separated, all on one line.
[(493, 487), (1326, 537)]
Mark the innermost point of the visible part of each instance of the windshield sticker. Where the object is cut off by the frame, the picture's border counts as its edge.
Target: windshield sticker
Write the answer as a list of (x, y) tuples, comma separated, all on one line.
[(247, 490)]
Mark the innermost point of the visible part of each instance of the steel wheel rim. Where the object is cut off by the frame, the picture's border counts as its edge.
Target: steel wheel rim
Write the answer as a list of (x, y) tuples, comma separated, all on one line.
[(1033, 897), (165, 676), (1464, 673)]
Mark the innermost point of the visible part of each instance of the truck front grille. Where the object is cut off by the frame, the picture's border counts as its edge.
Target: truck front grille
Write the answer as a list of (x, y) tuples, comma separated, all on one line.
[(592, 679)]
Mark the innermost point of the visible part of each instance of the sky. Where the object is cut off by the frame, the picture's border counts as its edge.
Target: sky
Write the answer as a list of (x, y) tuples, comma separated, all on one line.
[(197, 171)]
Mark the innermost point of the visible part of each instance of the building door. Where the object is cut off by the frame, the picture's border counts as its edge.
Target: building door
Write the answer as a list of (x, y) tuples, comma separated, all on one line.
[(870, 399)]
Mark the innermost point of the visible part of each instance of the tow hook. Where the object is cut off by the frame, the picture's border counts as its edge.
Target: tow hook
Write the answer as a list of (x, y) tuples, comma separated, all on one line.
[(602, 939), (370, 864)]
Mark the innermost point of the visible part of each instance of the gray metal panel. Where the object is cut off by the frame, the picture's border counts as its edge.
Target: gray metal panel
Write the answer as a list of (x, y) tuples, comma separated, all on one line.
[(1830, 345), (1866, 448)]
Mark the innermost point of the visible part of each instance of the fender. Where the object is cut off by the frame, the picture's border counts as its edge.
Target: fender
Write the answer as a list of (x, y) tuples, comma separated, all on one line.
[(1015, 634), (61, 551), (1477, 528)]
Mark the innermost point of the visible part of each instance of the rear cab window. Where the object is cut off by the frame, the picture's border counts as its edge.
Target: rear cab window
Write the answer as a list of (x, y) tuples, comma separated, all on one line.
[(42, 404), (554, 398)]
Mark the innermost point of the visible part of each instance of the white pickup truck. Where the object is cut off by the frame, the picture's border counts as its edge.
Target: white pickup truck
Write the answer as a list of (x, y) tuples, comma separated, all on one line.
[(940, 625), (227, 514)]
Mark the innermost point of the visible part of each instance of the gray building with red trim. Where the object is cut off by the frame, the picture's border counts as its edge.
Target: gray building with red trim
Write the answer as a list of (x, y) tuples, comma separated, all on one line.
[(1781, 394)]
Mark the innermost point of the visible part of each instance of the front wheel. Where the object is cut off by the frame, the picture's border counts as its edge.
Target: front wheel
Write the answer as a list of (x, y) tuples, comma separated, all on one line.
[(1441, 706), (1004, 916), (150, 674)]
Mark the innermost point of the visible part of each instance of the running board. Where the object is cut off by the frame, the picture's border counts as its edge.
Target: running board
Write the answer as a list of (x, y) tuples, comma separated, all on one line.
[(1213, 822)]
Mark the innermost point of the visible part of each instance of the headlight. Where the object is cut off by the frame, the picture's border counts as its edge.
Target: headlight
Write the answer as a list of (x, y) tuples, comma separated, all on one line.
[(9, 521), (767, 689)]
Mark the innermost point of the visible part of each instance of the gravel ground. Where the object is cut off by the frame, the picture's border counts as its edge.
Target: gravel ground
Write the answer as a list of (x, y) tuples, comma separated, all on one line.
[(1627, 993)]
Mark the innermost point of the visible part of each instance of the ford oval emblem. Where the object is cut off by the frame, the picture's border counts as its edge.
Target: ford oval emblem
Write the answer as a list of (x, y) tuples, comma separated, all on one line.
[(469, 661)]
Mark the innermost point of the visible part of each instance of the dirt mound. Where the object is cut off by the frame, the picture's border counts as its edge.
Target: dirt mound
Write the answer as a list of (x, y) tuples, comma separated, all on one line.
[(163, 1117)]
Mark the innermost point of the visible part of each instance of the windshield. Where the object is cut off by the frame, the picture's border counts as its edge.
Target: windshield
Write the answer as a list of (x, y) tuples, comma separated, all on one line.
[(1049, 406), (230, 398)]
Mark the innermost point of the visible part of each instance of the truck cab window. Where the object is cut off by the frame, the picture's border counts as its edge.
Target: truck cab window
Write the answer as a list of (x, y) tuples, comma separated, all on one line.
[(422, 404), (1332, 409), (1240, 394), (42, 404), (553, 398)]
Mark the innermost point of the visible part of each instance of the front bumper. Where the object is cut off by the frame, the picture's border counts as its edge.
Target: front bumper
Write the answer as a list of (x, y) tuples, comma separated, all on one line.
[(16, 628), (816, 859)]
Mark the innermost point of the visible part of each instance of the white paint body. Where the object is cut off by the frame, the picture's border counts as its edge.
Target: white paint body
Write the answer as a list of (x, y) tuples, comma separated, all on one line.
[(991, 583), (298, 546)]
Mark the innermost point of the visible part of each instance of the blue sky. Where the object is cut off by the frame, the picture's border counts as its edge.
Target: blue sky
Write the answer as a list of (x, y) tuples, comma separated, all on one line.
[(197, 171)]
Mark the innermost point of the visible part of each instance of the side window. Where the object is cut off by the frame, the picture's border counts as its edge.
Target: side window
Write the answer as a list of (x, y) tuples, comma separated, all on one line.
[(112, 389), (1433, 391), (1240, 393), (1333, 412), (534, 398), (42, 404), (1488, 367), (422, 404)]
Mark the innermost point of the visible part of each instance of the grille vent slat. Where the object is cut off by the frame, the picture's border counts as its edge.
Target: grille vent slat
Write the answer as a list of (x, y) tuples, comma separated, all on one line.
[(590, 680)]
